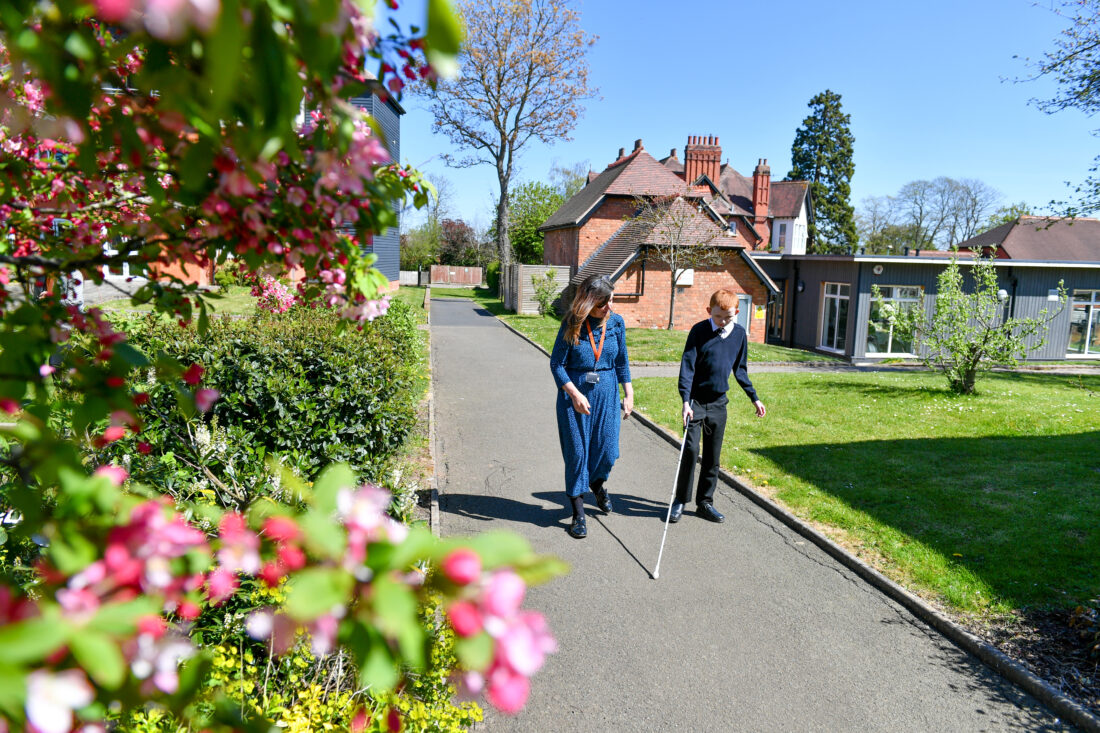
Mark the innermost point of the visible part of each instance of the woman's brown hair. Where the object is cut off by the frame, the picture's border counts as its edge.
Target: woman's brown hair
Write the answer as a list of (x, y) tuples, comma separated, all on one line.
[(594, 292)]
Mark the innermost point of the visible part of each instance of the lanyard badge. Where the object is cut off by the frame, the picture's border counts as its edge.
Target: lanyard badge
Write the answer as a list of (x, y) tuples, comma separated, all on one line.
[(592, 377)]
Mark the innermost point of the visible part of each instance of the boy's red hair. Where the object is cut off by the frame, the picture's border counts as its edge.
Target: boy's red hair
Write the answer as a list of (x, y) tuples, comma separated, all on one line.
[(724, 299)]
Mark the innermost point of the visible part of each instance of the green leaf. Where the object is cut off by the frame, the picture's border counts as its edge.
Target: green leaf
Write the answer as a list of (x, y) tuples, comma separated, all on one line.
[(498, 548), (475, 652), (130, 355), (443, 38), (379, 670), (316, 591), (99, 655), (396, 609), (78, 46), (121, 618), (223, 56), (334, 478), (322, 535), (3, 536), (541, 569), (13, 692), (31, 640)]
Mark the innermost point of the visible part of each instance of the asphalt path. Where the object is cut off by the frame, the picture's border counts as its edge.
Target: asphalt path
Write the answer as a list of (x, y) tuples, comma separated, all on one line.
[(749, 628)]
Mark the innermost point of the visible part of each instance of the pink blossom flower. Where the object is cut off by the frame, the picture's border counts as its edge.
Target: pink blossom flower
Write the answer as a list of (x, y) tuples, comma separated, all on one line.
[(46, 370), (113, 11), (465, 618), (117, 475), (205, 399), (220, 585), (525, 643), (53, 696), (193, 374), (79, 605), (9, 405), (462, 566), (296, 196), (507, 689), (159, 659), (504, 593), (240, 546), (281, 529), (113, 433), (237, 183)]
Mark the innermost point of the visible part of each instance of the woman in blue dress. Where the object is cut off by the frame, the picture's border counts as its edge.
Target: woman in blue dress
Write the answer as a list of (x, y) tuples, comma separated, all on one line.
[(589, 362)]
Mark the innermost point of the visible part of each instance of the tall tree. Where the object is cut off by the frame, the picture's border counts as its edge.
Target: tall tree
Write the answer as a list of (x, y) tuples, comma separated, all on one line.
[(1074, 64), (534, 202), (569, 179), (1005, 214), (523, 76), (822, 155), (675, 232), (457, 244), (944, 211)]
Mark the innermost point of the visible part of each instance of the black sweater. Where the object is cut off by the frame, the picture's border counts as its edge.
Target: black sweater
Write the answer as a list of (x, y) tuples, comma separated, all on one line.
[(708, 361)]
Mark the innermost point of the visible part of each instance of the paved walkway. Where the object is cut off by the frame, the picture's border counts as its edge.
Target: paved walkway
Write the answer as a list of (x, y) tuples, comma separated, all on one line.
[(749, 628)]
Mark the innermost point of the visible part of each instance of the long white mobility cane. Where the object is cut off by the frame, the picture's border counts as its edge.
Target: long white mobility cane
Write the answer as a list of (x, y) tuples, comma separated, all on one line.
[(668, 514)]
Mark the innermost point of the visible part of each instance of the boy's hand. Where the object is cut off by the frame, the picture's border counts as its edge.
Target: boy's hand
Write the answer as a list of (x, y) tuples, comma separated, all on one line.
[(688, 412), (761, 411)]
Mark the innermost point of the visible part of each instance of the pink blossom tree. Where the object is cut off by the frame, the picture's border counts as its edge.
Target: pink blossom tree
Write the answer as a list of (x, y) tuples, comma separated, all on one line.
[(175, 132)]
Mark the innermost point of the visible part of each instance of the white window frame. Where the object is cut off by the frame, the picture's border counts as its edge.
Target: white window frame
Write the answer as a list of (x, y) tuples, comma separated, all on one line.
[(890, 338), (1091, 308), (825, 297)]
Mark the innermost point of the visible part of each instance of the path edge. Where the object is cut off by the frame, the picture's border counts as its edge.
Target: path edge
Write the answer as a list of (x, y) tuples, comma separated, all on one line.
[(1015, 672)]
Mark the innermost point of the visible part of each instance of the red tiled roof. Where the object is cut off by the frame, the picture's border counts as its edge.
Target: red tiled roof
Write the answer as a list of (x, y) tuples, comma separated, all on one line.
[(787, 198), (636, 174), (1043, 238)]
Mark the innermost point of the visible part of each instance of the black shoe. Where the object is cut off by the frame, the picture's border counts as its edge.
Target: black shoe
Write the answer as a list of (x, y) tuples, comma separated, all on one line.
[(677, 512), (603, 500), (579, 528), (707, 511)]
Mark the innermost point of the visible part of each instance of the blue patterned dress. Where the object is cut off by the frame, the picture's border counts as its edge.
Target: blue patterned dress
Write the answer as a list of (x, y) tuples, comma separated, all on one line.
[(590, 443)]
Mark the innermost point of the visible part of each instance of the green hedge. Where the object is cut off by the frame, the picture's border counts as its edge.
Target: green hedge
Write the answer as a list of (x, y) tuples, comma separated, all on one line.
[(305, 385)]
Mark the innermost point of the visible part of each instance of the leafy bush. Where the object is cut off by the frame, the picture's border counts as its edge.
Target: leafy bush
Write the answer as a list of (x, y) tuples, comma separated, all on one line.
[(546, 289), (228, 273), (492, 276), (303, 385)]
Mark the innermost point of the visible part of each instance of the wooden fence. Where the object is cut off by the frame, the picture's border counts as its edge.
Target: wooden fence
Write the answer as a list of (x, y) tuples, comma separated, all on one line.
[(517, 290), (447, 275)]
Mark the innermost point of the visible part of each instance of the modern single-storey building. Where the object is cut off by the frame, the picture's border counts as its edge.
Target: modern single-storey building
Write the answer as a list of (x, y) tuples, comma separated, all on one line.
[(824, 302)]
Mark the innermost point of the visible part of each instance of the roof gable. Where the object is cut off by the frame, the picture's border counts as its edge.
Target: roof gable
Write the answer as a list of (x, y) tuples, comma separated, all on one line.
[(637, 174), (1043, 238)]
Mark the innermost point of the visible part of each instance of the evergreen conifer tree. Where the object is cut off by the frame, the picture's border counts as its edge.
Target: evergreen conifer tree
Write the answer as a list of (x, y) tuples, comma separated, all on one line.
[(822, 155)]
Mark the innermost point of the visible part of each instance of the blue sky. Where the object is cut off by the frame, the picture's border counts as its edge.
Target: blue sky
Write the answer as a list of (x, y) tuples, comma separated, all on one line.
[(928, 86)]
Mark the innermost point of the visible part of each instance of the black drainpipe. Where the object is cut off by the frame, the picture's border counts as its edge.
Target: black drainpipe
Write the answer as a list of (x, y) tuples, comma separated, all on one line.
[(794, 305)]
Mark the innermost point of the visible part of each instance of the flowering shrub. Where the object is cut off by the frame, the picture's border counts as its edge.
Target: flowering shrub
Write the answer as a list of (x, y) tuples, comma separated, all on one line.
[(159, 134), (272, 296)]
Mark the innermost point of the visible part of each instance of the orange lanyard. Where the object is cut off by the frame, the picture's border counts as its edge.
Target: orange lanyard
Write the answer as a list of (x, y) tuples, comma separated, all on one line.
[(596, 352)]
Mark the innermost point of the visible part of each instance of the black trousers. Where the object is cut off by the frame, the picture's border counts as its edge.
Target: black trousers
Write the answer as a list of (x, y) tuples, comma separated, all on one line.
[(705, 431)]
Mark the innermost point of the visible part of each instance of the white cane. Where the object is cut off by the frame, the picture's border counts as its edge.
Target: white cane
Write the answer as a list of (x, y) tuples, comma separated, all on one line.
[(668, 514)]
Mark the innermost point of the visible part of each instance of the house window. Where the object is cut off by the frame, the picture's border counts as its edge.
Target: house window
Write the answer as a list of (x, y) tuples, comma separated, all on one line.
[(880, 333), (780, 240), (834, 317), (1084, 324)]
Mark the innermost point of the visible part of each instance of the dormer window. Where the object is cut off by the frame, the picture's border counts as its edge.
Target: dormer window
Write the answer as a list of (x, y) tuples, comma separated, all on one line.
[(780, 236)]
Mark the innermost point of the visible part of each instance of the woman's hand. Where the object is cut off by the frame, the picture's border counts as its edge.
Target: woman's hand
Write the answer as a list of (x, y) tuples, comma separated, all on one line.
[(580, 402), (628, 400)]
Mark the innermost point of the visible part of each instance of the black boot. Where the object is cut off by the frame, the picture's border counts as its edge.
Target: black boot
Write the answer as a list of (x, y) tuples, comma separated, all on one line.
[(579, 527), (603, 501)]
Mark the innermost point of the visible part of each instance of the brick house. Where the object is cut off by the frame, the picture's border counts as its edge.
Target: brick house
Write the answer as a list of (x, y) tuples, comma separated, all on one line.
[(593, 233)]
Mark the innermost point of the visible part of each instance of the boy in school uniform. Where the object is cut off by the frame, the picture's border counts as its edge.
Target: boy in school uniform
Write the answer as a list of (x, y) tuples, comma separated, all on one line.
[(715, 348)]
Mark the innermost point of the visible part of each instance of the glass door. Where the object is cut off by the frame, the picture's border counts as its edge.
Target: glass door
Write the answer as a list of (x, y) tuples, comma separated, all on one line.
[(1084, 324), (834, 317)]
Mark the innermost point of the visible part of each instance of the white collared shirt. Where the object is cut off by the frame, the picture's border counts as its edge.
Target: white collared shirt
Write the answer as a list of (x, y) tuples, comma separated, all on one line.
[(723, 332)]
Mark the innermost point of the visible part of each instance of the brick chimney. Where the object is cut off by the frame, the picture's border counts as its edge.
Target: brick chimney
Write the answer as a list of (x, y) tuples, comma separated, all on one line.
[(761, 197), (702, 154)]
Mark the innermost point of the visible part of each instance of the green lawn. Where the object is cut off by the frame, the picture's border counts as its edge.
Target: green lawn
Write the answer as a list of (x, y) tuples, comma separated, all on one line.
[(987, 503), (237, 300)]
